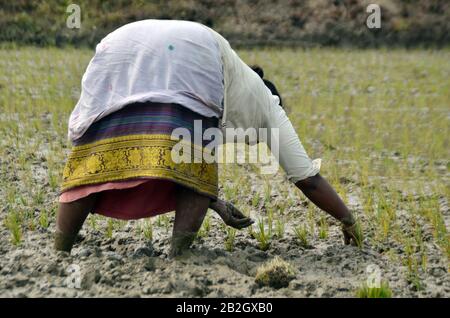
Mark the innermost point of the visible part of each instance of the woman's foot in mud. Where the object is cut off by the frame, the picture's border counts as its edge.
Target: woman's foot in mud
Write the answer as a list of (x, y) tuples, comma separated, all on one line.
[(181, 243), (64, 242)]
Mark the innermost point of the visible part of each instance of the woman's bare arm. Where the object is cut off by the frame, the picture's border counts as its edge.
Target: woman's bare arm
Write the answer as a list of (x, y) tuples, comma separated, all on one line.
[(322, 194)]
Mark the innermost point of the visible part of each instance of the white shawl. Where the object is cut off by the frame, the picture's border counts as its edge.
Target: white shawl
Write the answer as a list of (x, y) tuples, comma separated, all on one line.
[(189, 64)]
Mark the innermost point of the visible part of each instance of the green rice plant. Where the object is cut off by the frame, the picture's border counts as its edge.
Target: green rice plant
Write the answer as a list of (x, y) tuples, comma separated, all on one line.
[(281, 207), (290, 201), (11, 195), (13, 224), (158, 221), (93, 221), (22, 161), (430, 209), (31, 225), (341, 191), (359, 239), (230, 238), (262, 236), (423, 261), (270, 221), (163, 221), (267, 192), (53, 180), (255, 199), (364, 174), (109, 228), (412, 265), (310, 219), (147, 229), (323, 228), (251, 232), (384, 291), (301, 232), (22, 200), (368, 203), (230, 192), (43, 219), (205, 228), (280, 227), (276, 273), (39, 197)]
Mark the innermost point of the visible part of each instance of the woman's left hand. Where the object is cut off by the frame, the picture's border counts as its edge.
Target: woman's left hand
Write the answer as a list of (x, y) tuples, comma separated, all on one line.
[(352, 234)]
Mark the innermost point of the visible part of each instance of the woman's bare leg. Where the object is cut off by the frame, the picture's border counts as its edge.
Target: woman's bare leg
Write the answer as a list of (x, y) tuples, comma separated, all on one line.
[(191, 209), (70, 219)]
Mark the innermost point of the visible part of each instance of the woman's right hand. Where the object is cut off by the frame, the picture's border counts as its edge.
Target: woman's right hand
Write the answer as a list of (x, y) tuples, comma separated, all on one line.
[(230, 215)]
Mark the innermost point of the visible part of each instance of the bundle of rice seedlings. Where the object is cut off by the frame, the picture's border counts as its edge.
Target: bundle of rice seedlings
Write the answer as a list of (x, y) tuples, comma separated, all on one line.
[(275, 273)]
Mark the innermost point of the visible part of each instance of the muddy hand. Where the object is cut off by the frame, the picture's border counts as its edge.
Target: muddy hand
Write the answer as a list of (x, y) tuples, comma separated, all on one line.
[(230, 215), (352, 234)]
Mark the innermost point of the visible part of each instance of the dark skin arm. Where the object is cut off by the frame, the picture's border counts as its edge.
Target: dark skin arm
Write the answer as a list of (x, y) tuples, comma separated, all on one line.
[(319, 191), (322, 194)]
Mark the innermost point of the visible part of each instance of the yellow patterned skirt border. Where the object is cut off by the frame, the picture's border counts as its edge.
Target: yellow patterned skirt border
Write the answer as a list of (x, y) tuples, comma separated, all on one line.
[(136, 156)]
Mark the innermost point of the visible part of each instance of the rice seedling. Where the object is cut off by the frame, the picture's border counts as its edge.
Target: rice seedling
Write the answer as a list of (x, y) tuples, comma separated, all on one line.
[(280, 227), (109, 228), (31, 225), (158, 221), (163, 221), (43, 219), (251, 232), (310, 219), (92, 220), (267, 192), (412, 265), (205, 228), (11, 195), (223, 227), (262, 236), (13, 224), (301, 233), (384, 291), (22, 200), (39, 197), (230, 192), (53, 180), (275, 273), (341, 191), (270, 221), (281, 207), (147, 229), (255, 199), (323, 228), (230, 238)]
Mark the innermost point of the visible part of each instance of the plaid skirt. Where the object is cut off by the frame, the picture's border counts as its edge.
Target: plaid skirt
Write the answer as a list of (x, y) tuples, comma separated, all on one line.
[(126, 159)]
